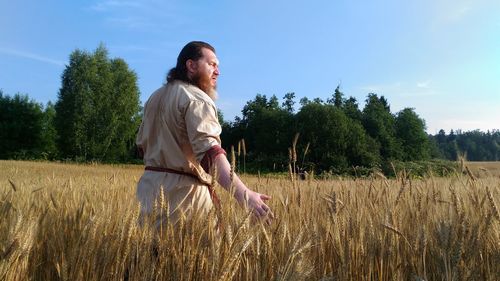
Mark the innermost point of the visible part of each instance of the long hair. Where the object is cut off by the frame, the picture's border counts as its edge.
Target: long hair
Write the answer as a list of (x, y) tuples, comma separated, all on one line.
[(192, 51)]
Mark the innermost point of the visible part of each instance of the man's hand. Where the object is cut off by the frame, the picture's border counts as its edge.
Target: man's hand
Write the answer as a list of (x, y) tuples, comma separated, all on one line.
[(255, 202), (245, 196)]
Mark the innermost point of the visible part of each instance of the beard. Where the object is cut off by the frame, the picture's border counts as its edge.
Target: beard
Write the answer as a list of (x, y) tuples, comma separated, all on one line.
[(204, 83)]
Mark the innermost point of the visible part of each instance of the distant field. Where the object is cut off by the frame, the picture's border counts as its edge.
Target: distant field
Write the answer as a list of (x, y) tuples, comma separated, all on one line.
[(485, 168), (79, 222)]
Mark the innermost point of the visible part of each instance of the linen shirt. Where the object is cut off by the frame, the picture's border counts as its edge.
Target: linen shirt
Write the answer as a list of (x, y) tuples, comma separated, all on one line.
[(179, 125)]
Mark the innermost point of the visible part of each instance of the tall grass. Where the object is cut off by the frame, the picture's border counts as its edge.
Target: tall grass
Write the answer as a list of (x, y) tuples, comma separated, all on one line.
[(79, 222)]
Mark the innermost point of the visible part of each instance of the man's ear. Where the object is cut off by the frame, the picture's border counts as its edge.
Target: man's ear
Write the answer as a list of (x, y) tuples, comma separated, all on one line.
[(191, 66)]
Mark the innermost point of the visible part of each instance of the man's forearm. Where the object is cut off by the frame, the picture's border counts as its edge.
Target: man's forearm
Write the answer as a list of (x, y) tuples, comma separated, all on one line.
[(224, 178)]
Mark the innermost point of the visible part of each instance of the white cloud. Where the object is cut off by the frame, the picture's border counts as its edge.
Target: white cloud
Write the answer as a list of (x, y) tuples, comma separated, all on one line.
[(131, 48), (382, 88), (131, 22), (110, 5), (457, 11), (423, 84), (443, 113), (402, 95), (453, 11), (31, 56), (146, 15), (400, 89), (483, 124)]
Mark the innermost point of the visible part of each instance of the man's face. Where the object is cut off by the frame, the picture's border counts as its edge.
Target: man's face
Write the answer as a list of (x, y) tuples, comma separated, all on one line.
[(205, 72)]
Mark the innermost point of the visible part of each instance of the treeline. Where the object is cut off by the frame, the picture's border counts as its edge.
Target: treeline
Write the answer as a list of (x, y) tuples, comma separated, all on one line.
[(97, 114), (337, 136), (26, 128), (334, 135), (95, 117), (473, 145)]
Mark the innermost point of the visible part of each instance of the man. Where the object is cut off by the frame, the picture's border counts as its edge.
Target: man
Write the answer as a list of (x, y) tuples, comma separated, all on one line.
[(180, 143)]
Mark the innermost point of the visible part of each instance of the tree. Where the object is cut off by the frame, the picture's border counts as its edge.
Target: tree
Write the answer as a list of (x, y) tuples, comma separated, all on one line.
[(21, 125), (267, 129), (289, 102), (476, 145), (253, 107), (97, 111), (304, 101), (273, 102), (379, 124), (318, 101), (325, 127), (410, 130), (337, 98), (351, 109), (49, 133)]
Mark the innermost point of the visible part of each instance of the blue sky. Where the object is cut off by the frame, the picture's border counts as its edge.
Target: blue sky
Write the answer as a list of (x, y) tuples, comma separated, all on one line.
[(441, 57)]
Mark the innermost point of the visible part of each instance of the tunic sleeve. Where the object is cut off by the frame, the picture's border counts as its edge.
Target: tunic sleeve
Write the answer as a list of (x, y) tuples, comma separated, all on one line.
[(202, 126)]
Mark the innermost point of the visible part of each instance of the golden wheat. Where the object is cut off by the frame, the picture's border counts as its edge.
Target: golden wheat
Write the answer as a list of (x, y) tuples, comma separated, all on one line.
[(79, 222)]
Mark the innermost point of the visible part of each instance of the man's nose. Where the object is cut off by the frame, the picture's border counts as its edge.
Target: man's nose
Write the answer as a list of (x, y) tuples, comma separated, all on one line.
[(216, 71)]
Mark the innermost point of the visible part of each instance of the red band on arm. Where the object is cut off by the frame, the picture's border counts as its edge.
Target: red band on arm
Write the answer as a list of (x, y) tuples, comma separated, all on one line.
[(210, 156)]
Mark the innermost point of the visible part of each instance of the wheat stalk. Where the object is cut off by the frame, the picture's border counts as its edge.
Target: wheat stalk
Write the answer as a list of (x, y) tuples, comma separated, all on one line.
[(395, 230), (492, 204)]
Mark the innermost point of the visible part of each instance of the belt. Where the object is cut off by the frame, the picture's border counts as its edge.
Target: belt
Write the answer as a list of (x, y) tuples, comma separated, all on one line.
[(211, 190)]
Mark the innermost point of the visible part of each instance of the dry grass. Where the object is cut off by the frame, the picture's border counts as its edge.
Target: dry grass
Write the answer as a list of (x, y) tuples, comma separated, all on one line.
[(78, 222)]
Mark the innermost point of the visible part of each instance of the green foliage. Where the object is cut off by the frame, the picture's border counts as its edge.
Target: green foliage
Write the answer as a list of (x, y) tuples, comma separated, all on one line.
[(336, 141), (49, 133), (288, 102), (380, 125), (97, 108), (337, 98), (362, 150), (21, 127), (351, 109), (340, 138), (325, 127), (410, 130), (267, 129), (475, 145)]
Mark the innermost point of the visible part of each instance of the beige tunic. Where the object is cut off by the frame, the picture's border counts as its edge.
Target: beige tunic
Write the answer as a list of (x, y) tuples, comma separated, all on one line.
[(179, 125)]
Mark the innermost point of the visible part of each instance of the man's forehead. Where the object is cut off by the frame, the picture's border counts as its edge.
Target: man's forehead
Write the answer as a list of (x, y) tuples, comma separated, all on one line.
[(210, 55)]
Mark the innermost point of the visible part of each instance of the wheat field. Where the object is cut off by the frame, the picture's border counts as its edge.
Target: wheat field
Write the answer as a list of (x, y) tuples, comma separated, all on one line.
[(79, 222)]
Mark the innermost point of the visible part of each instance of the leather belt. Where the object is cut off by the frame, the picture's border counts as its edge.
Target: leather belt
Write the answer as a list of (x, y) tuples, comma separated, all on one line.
[(211, 190)]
